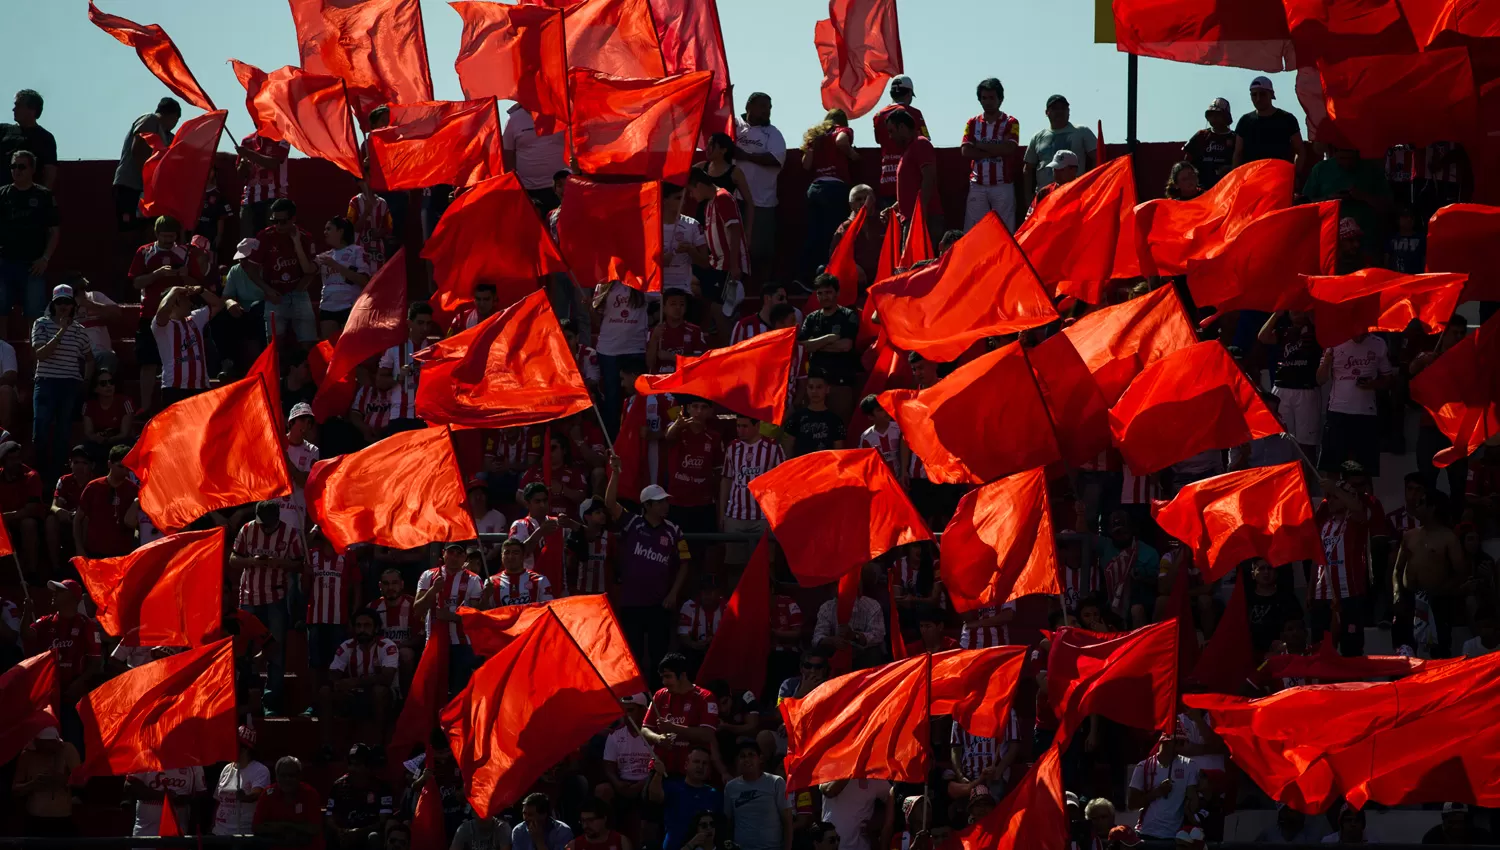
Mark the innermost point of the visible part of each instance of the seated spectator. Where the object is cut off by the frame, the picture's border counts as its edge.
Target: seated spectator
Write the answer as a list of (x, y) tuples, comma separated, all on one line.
[(150, 791), (486, 304), (29, 233), (1182, 182), (593, 816), (266, 551), (739, 719), (64, 358), (1350, 827), (1291, 827), (178, 329), (1211, 150), (883, 435), (1359, 186), (515, 583), (756, 803), (747, 458), (930, 623), (75, 641), (538, 829), (686, 801), (850, 804), (698, 620), (1456, 828), (108, 417), (241, 785), (290, 812), (980, 761), (43, 781), (346, 269), (863, 634), (363, 680), (281, 264), (814, 426), (66, 497), (627, 758), (359, 802), (1165, 788)]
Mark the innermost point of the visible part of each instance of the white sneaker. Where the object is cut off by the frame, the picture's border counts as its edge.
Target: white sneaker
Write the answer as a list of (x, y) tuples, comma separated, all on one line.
[(734, 294)]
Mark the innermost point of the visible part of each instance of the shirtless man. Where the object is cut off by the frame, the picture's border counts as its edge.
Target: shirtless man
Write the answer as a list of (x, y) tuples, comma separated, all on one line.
[(1430, 569)]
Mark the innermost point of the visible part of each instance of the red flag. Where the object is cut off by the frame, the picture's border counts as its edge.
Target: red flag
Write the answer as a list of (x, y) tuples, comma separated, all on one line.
[(1262, 268), (1256, 513), (158, 53), (309, 111), (428, 829), (614, 37), (28, 701), (1330, 30), (1085, 369), (1130, 678), (1461, 238), (167, 827), (376, 322), (890, 255), (950, 425), (836, 511), (459, 150), (918, 246), (982, 287), (893, 630), (511, 369), (218, 449), (612, 231), (692, 40), (1190, 401), (630, 445), (166, 593), (318, 358), (175, 174), (1378, 101), (377, 46), (870, 724), (859, 47), (1327, 665), (1082, 235), (749, 378), (1169, 232), (1461, 390), (842, 265), (268, 368), (738, 651), (889, 369), (1241, 33), (515, 53), (530, 705), (1031, 817), (1380, 300), (999, 545), (640, 128), (491, 234), (174, 712), (977, 686), (1228, 660), (588, 618), (6, 547), (429, 693)]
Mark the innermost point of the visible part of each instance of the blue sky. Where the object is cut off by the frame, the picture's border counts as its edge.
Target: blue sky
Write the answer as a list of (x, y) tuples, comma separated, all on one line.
[(94, 86)]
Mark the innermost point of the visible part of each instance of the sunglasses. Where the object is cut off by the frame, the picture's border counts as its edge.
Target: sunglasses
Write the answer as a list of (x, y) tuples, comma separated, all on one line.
[(19, 166), (105, 383)]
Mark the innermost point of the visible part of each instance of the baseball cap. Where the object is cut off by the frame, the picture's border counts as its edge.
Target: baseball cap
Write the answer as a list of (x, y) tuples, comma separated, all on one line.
[(49, 734), (475, 484), (299, 410), (1454, 808), (62, 290), (1350, 227), (246, 248), (901, 81), (635, 699), (80, 451), (1219, 105), (1056, 100), (1262, 84), (980, 792), (456, 545), (1063, 159), (653, 493), (589, 506), (67, 584), (247, 736)]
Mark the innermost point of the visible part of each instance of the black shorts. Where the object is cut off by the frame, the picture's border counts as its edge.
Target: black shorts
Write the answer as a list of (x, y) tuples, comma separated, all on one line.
[(145, 343), (127, 207), (710, 283)]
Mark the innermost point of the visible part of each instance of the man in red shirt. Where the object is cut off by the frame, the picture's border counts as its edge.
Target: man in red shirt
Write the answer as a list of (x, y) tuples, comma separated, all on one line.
[(291, 811), (682, 715), (156, 267), (281, 265), (99, 526), (674, 337), (728, 254), (697, 453), (74, 641), (65, 499), (890, 154), (916, 174), (21, 505)]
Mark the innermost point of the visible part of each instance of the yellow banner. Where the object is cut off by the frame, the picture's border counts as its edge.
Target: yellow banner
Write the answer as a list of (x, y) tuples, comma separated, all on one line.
[(1104, 22)]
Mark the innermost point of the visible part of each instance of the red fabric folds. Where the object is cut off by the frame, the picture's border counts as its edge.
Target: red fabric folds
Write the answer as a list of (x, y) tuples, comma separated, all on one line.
[(166, 593), (1227, 662), (1380, 300), (1130, 678), (740, 647), (515, 53), (175, 174), (1331, 30), (1169, 233), (428, 828), (869, 724), (859, 48), (1082, 235), (459, 149), (490, 234), (918, 245), (977, 686), (309, 111), (1263, 268), (842, 265), (612, 231), (378, 47), (376, 322), (1032, 816), (1461, 390), (1461, 238), (29, 699), (589, 619), (615, 37), (999, 544), (1327, 666), (1375, 102), (429, 693), (158, 53), (1239, 33), (692, 40), (641, 128), (749, 378)]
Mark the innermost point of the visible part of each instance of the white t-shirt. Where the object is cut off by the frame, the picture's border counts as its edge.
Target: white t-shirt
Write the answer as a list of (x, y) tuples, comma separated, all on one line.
[(677, 272), (182, 780), (233, 817), (493, 522), (294, 507), (8, 358), (1474, 647), (537, 157), (339, 294), (630, 753), (1163, 816), (1352, 361), (622, 327), (762, 178), (95, 327), (852, 809)]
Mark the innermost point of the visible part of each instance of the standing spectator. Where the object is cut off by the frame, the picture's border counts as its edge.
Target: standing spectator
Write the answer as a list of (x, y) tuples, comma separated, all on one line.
[(42, 780), (1359, 186), (393, 607), (698, 620), (75, 642), (813, 427), (64, 359), (757, 323), (538, 829), (27, 135), (728, 248), (441, 591), (533, 159), (65, 499), (282, 266), (213, 216), (266, 551), (1060, 135), (241, 785), (1165, 788), (1296, 376), (1344, 521), (100, 526), (991, 140), (761, 151), (532, 530), (28, 236), (373, 226), (346, 269), (1268, 132), (157, 266), (849, 807), (262, 164), (1406, 249), (240, 339), (150, 790), (654, 560), (399, 373), (1211, 150), (756, 803), (515, 583), (686, 801), (594, 551), (1351, 430), (1429, 575), (983, 762), (883, 435), (902, 94), (108, 417), (331, 583), (300, 457), (622, 342), (871, 234), (627, 757), (916, 173), (694, 460), (1429, 439), (829, 333), (682, 716), (674, 336), (21, 494), (178, 330), (129, 184), (291, 811), (746, 459), (683, 243), (359, 802), (827, 153), (718, 161)]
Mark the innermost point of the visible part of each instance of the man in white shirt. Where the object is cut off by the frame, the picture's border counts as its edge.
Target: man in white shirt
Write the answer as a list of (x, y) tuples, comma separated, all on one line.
[(1351, 430), (760, 151), (151, 788), (627, 756), (534, 159), (682, 242), (863, 634), (300, 457), (1165, 787), (849, 804)]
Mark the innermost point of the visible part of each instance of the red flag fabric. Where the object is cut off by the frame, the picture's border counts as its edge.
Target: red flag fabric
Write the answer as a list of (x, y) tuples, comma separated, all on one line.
[(1255, 513), (166, 593), (1461, 390), (428, 827), (588, 618), (1180, 611), (318, 358), (889, 369), (174, 712), (420, 709), (918, 245), (1032, 816), (630, 445), (490, 234), (529, 705), (612, 231), (1085, 369), (1381, 300), (1189, 401), (6, 547), (1227, 662), (1326, 665), (175, 174), (893, 629), (890, 256), (982, 287), (378, 47), (1241, 33), (859, 47), (167, 827), (842, 264), (869, 724), (268, 368), (836, 511), (999, 545), (515, 53), (749, 378), (1130, 678), (738, 651), (309, 111), (950, 425), (158, 53), (1263, 267), (1461, 238), (641, 128), (692, 40), (218, 449), (977, 686), (460, 150), (28, 701), (376, 322), (1169, 232), (614, 37), (1331, 30), (1082, 235), (1375, 102)]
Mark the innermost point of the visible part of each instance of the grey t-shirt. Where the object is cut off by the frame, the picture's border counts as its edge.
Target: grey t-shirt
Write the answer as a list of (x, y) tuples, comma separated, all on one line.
[(755, 808), (1046, 144), (128, 172)]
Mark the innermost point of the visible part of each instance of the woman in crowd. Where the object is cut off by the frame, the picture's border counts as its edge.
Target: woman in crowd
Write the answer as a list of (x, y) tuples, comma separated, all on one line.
[(346, 269), (727, 175), (828, 152), (108, 417)]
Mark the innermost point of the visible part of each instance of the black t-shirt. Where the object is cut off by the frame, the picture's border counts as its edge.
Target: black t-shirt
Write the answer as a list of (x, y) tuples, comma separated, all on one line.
[(1269, 136), (14, 137), (356, 808), (1212, 154), (840, 367), (1297, 365), (25, 216), (1408, 254), (1267, 614), (214, 209), (813, 430)]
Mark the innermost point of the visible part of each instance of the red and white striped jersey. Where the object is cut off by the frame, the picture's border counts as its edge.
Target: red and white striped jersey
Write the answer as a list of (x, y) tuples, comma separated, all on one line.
[(1401, 521), (980, 752), (149, 258), (1138, 489), (887, 442), (991, 171), (1076, 584), (985, 637), (699, 623), (743, 463), (521, 530), (265, 184), (264, 584), (365, 660), (591, 562), (724, 212), (462, 588), (330, 577), (374, 406), (184, 357), (524, 589), (403, 392), (467, 318), (1117, 575), (294, 505), (395, 618), (916, 470), (753, 325), (1345, 547)]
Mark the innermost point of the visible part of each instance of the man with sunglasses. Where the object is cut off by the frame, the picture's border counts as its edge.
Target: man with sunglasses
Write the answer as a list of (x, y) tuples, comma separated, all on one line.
[(28, 237), (281, 265)]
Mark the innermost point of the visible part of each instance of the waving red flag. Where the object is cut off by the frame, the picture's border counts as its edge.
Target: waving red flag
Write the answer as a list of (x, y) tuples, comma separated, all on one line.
[(859, 46), (890, 256), (175, 174), (951, 425), (1227, 662), (1331, 30), (749, 378), (174, 712), (1240, 33), (1169, 233), (490, 234), (918, 245), (842, 265), (588, 618), (1130, 678), (641, 128), (614, 37), (1188, 402), (168, 826), (268, 368), (309, 111), (1082, 235), (977, 686), (28, 701), (511, 369), (420, 709), (612, 231), (428, 827), (166, 593), (378, 47), (1461, 390), (1378, 101), (218, 449), (515, 53), (692, 40), (738, 651), (869, 724), (376, 322), (1033, 815), (836, 511), (982, 287), (158, 53), (1379, 300), (1327, 665), (1461, 238), (6, 547), (999, 544), (1255, 513), (461, 150), (1263, 267)]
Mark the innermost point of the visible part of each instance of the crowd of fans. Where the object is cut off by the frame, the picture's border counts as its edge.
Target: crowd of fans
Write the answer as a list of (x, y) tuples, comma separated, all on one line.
[(704, 769)]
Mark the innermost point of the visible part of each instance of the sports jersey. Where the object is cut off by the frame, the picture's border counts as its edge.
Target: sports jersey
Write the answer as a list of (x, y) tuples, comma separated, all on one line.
[(360, 660), (650, 556), (263, 584), (984, 637), (148, 258), (743, 463), (395, 618), (374, 406), (329, 578), (699, 623), (1076, 584), (72, 641), (991, 171), (455, 590), (1345, 547), (184, 355), (294, 505), (592, 561), (696, 707), (693, 464), (525, 589), (887, 442), (685, 340), (890, 155), (403, 393), (786, 615)]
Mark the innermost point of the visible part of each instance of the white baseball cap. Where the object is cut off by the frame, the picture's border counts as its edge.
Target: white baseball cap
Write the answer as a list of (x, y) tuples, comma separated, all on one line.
[(653, 493), (636, 699), (1063, 159), (62, 290), (246, 248), (299, 410), (902, 81)]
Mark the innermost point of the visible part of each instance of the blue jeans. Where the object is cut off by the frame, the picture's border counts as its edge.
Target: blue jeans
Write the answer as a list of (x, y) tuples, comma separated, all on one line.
[(54, 406), (19, 287), (274, 615), (827, 207)]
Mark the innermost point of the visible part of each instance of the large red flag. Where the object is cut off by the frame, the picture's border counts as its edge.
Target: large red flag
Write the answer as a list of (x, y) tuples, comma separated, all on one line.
[(641, 128), (742, 643), (588, 618), (1130, 678), (951, 425), (1461, 390), (859, 47), (1255, 513), (836, 511), (999, 544), (1462, 238), (1082, 235), (175, 174), (166, 593), (512, 369), (490, 234), (982, 287), (1326, 665), (692, 40), (28, 701), (612, 231), (918, 246), (168, 826), (268, 368), (428, 827), (1190, 401), (376, 322), (174, 712), (1381, 300), (377, 46), (1241, 33), (532, 703), (515, 52), (309, 111), (749, 378), (1331, 30), (842, 264), (429, 693), (218, 449), (1169, 232), (1375, 102), (6, 547), (157, 52), (614, 37), (403, 492), (976, 686), (1227, 662), (1262, 268), (890, 256), (1033, 815), (460, 149), (870, 724)]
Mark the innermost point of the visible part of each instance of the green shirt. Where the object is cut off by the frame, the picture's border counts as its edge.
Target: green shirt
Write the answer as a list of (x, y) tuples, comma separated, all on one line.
[(1327, 179)]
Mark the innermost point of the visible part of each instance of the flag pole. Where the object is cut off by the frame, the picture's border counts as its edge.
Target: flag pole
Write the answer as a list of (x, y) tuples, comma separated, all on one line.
[(636, 727), (610, 444), (21, 574)]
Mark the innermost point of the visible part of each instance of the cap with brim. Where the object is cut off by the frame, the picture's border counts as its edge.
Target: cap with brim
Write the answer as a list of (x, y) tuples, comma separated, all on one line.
[(62, 292), (300, 410), (903, 83), (589, 506), (1064, 159), (475, 484), (246, 248), (1056, 100), (639, 699), (80, 451), (1219, 104), (653, 493), (455, 545), (49, 734), (67, 584), (1262, 84)]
